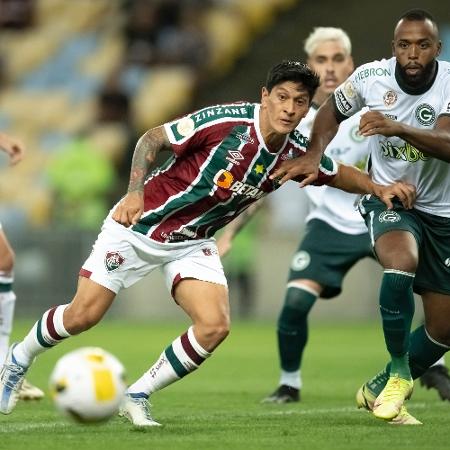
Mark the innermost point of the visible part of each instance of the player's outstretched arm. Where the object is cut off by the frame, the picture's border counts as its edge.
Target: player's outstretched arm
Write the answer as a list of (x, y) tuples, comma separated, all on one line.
[(324, 129), (13, 147), (435, 142), (131, 207), (351, 179)]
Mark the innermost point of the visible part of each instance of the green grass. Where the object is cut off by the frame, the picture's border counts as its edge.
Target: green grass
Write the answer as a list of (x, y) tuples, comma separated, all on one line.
[(218, 406)]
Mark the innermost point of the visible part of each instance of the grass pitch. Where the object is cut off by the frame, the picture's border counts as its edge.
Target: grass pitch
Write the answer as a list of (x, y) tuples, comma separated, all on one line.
[(219, 406)]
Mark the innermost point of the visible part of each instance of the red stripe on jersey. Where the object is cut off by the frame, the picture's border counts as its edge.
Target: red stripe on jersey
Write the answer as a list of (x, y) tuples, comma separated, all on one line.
[(85, 273), (190, 351), (51, 326)]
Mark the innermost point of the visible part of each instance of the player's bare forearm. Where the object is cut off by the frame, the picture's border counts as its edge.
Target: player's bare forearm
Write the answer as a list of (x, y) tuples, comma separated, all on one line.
[(351, 179), (129, 210), (434, 142), (148, 146)]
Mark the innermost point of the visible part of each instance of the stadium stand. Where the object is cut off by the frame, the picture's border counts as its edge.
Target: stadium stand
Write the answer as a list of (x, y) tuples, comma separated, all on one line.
[(58, 57)]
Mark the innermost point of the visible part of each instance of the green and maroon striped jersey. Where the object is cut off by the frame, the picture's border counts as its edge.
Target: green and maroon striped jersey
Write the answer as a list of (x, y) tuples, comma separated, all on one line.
[(220, 166)]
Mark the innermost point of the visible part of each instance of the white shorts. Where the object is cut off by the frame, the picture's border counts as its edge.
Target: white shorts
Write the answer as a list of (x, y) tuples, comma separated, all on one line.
[(120, 257)]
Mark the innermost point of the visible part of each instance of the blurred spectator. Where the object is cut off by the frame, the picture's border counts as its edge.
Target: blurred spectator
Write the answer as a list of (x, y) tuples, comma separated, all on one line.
[(16, 14), (81, 178), (141, 32)]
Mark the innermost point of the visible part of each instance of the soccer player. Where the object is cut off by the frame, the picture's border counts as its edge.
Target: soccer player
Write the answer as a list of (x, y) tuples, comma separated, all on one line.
[(15, 150), (409, 124), (222, 159)]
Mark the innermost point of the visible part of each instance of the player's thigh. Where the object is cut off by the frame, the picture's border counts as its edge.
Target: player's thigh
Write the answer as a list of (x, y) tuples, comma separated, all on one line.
[(324, 257), (437, 316)]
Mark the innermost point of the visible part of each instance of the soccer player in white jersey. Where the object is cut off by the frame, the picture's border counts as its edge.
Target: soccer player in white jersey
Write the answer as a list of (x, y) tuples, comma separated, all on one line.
[(222, 160), (409, 124), (15, 150)]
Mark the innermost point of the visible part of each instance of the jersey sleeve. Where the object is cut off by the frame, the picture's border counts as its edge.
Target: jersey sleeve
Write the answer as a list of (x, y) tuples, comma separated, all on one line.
[(184, 135), (328, 169), (349, 97), (445, 110)]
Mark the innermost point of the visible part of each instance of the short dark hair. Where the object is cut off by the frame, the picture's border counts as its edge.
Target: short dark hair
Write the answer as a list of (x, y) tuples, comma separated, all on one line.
[(417, 14), (296, 72)]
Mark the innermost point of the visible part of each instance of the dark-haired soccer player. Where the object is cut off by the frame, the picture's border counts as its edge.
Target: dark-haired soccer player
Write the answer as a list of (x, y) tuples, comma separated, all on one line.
[(223, 157), (409, 100)]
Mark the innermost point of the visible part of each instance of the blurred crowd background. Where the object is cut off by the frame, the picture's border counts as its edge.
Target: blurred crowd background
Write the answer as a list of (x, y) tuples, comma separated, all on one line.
[(81, 80)]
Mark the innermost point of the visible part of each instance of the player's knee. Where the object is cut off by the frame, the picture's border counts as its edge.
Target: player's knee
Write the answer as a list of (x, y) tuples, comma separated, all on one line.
[(213, 331)]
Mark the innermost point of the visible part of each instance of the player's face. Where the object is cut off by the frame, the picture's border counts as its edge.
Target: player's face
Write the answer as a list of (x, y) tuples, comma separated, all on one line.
[(283, 107), (332, 64), (416, 47)]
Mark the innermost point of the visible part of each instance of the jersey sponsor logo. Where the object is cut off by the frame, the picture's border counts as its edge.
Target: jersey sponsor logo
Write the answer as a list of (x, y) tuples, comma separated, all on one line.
[(406, 153), (390, 98), (113, 260), (372, 72), (425, 114), (341, 102), (246, 190), (391, 116), (300, 261), (185, 126), (219, 111), (234, 156), (223, 179), (389, 217)]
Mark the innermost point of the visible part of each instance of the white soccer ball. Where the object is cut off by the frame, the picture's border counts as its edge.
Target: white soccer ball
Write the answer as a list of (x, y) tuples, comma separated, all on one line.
[(88, 384)]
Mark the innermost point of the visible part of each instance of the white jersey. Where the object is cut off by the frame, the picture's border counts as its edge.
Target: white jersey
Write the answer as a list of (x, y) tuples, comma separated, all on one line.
[(333, 206), (377, 86)]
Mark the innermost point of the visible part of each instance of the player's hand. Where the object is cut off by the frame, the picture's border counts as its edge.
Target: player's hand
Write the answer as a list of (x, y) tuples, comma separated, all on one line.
[(129, 210), (405, 192), (304, 169), (13, 147), (373, 122)]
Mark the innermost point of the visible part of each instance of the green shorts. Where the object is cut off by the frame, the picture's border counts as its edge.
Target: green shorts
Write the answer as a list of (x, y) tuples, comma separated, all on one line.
[(432, 234), (325, 255)]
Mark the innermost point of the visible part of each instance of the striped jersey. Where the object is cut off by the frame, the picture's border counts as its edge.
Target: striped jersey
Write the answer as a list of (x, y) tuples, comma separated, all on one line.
[(220, 166), (378, 86)]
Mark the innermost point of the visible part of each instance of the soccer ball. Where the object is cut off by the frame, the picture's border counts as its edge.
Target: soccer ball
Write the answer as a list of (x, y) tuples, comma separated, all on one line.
[(88, 384)]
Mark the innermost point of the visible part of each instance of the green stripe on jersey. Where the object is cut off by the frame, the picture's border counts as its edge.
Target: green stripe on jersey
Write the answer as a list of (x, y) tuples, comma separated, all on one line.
[(213, 113), (179, 369), (5, 287)]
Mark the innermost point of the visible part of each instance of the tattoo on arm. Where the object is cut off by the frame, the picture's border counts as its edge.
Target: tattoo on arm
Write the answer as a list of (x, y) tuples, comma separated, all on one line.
[(148, 146)]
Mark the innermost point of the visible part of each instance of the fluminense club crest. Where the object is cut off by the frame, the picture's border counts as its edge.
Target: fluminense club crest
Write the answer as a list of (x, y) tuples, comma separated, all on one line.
[(113, 260)]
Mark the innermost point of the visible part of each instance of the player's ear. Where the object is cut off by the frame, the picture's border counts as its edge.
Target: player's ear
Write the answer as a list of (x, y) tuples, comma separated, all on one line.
[(264, 94), (439, 48)]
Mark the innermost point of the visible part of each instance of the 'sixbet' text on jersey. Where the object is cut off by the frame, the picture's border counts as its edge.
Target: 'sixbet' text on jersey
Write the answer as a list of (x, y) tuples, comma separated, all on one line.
[(220, 166), (392, 159)]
